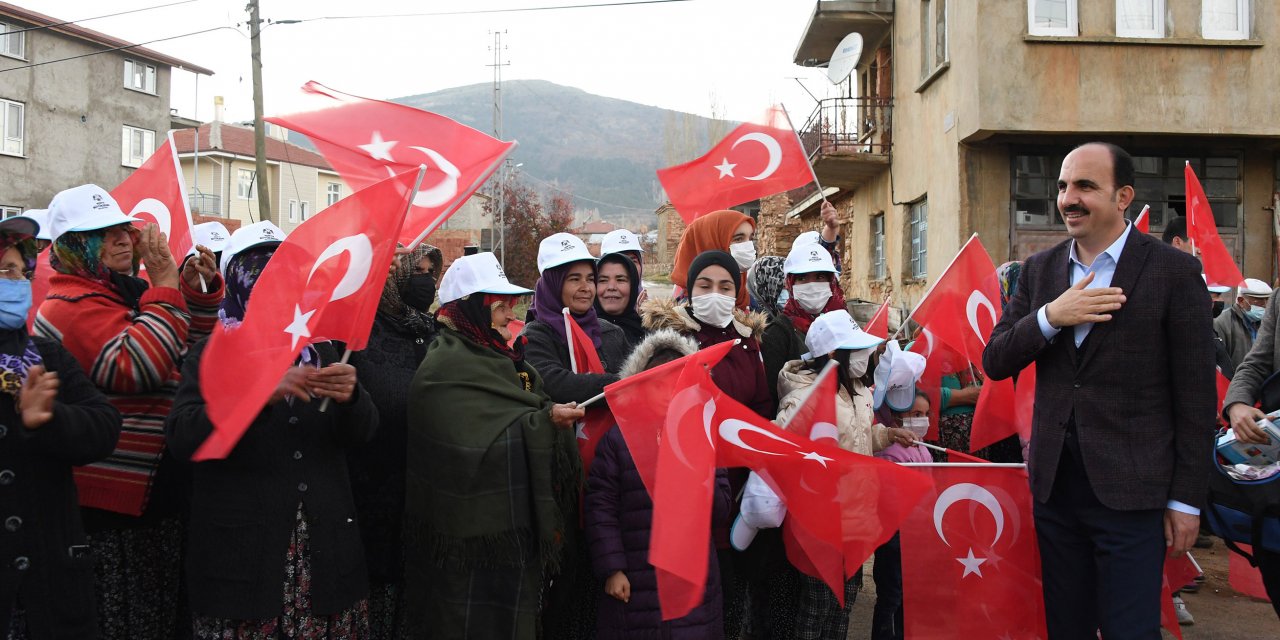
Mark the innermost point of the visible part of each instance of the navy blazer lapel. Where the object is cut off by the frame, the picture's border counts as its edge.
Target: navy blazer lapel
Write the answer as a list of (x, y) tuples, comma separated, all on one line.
[(1132, 260)]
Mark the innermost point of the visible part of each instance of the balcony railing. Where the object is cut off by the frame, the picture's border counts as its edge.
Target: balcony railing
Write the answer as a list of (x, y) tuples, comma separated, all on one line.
[(205, 204), (849, 126)]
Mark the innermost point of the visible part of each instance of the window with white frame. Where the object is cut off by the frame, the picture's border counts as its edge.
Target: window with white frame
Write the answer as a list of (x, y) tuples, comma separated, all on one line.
[(13, 44), (878, 267), (7, 212), (12, 121), (304, 210), (1140, 18), (136, 145), (1225, 19), (293, 210), (918, 232), (1052, 18), (333, 193), (933, 35), (140, 76), (245, 187)]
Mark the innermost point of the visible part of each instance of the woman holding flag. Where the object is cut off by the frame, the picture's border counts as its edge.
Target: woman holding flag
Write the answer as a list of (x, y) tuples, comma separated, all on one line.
[(493, 470), (273, 545), (130, 335)]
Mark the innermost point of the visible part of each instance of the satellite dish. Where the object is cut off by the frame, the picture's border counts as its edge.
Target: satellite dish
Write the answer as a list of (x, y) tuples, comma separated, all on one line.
[(845, 58)]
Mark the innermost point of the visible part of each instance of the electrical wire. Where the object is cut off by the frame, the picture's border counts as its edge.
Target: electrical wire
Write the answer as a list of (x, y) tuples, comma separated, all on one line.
[(128, 46), (109, 15), (481, 11)]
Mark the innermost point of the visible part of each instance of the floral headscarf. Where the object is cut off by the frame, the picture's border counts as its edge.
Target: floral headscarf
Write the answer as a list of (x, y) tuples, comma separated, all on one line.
[(79, 253), (241, 274), (1008, 274)]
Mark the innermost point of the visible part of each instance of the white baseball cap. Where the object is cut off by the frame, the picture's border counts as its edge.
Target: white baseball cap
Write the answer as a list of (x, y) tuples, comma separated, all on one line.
[(761, 509), (1214, 288), (84, 208), (477, 273), (1255, 288), (808, 237), (561, 248), (21, 225), (212, 235), (896, 377), (620, 240), (41, 218), (247, 237), (836, 330), (809, 257)]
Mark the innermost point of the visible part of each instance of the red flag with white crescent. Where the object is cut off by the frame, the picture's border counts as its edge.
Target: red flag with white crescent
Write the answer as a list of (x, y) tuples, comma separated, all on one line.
[(878, 326), (155, 192), (368, 140), (1219, 266), (970, 560), (325, 279), (963, 305), (1004, 408), (753, 161), (940, 360)]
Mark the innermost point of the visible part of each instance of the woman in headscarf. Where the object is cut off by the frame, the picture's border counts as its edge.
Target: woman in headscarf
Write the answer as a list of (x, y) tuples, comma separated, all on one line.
[(130, 336), (402, 330), (52, 418), (273, 547), (617, 294), (813, 289), (492, 481), (767, 286), (728, 231)]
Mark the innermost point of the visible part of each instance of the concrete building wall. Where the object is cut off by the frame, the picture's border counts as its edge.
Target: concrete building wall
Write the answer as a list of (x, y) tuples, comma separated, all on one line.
[(212, 182), (74, 114), (323, 180), (296, 184)]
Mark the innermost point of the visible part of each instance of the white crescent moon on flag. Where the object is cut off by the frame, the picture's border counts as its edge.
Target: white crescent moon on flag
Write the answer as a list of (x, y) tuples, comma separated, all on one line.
[(685, 401), (708, 414), (731, 430), (967, 491), (770, 145), (361, 251), (443, 192), (978, 299), (822, 430), (158, 210)]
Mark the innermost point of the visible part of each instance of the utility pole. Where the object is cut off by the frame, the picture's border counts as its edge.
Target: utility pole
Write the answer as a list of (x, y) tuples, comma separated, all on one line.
[(501, 190), (259, 128)]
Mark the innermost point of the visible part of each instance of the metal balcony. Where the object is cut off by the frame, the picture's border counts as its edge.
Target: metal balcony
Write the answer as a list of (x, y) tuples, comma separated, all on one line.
[(848, 140), (832, 20)]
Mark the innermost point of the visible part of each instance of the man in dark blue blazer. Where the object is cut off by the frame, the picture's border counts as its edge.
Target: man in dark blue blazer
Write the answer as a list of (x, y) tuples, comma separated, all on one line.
[(1119, 327)]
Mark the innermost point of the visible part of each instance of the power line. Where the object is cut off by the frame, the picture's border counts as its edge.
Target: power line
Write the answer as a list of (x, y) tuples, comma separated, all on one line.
[(128, 46), (109, 15), (481, 11)]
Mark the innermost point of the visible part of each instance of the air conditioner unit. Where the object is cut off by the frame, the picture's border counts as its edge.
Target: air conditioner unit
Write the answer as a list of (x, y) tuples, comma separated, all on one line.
[(1024, 217)]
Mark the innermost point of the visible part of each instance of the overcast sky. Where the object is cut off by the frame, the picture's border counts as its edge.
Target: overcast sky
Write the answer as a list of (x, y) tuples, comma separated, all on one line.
[(681, 55)]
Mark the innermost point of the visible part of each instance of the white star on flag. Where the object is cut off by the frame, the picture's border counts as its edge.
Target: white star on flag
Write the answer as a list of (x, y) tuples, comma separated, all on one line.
[(298, 328), (971, 564), (580, 428), (818, 457), (379, 149), (726, 168)]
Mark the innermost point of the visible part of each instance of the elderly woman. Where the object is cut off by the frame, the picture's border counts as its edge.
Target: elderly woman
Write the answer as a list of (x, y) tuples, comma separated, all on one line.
[(273, 544), (402, 330), (130, 336), (493, 469), (727, 231), (54, 419)]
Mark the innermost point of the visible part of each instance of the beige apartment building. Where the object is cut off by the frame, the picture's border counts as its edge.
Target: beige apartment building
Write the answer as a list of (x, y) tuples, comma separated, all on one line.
[(959, 113)]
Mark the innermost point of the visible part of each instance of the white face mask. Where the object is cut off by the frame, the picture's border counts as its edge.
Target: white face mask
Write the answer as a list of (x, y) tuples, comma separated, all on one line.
[(812, 296), (715, 309), (744, 253), (858, 362), (918, 425)]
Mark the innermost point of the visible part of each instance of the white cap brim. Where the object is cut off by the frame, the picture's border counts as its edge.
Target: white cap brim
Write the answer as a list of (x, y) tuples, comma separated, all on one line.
[(741, 534), (901, 398), (859, 341)]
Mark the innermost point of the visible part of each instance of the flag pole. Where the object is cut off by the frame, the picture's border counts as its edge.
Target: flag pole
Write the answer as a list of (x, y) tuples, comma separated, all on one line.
[(911, 315), (324, 404), (592, 399), (568, 336), (807, 163)]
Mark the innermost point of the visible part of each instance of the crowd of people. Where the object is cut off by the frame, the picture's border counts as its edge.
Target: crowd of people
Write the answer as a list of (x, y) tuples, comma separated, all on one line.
[(443, 493)]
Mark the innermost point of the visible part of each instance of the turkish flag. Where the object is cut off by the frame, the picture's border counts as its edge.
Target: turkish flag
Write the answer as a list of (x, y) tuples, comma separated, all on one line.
[(367, 140), (1177, 572), (963, 305), (1219, 267), (878, 326), (155, 193), (584, 359), (325, 279), (970, 561), (1143, 221), (753, 161), (841, 506), (1004, 408), (660, 413), (1244, 577), (940, 360)]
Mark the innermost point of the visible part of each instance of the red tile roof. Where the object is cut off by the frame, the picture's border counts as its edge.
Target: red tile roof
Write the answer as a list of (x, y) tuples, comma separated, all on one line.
[(239, 141), (599, 226), (77, 31)]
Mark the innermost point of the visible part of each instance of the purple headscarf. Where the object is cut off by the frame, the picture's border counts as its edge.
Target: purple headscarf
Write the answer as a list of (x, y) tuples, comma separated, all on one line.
[(547, 304)]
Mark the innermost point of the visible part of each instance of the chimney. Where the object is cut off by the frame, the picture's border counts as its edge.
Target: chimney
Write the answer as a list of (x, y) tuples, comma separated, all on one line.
[(217, 109)]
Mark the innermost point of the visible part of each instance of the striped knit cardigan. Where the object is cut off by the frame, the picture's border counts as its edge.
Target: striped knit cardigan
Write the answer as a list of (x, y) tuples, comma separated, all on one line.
[(135, 358)]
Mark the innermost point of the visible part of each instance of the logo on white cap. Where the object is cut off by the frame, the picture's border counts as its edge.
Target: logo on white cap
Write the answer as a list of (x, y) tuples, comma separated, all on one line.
[(565, 245), (215, 235)]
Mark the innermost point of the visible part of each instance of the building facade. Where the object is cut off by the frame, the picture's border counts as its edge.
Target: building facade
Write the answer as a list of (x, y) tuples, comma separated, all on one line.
[(964, 111), (68, 120)]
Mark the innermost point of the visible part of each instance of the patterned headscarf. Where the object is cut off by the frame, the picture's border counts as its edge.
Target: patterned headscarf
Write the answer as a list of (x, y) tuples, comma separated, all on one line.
[(392, 303), (765, 281), (79, 253), (1008, 275), (548, 303), (242, 273), (472, 316)]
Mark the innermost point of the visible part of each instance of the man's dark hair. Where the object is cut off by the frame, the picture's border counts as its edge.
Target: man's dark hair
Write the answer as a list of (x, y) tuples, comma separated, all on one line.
[(1176, 228), (1121, 164)]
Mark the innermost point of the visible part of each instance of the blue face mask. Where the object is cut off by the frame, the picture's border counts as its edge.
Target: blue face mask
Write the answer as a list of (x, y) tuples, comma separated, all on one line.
[(15, 302), (1255, 312)]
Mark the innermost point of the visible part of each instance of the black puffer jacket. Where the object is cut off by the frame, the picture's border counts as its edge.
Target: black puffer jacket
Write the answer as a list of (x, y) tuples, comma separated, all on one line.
[(549, 354)]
